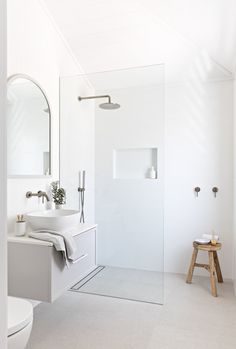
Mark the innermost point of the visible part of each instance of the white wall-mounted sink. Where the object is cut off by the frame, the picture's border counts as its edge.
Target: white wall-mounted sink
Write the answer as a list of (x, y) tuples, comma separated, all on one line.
[(57, 220)]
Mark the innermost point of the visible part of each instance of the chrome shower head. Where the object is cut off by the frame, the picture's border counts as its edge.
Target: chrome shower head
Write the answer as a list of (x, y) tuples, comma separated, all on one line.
[(107, 106)]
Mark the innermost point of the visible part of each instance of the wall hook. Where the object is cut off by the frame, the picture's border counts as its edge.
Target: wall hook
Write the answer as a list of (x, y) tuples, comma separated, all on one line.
[(197, 190), (215, 191)]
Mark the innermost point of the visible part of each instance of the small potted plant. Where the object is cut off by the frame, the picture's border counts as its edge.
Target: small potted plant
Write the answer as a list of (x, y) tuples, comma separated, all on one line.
[(58, 194)]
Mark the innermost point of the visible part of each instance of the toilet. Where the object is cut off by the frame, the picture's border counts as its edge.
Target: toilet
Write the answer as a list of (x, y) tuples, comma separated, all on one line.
[(20, 320)]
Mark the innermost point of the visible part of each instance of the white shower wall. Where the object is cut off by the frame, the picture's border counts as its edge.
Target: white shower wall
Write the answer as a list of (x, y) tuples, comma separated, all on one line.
[(198, 152), (129, 209)]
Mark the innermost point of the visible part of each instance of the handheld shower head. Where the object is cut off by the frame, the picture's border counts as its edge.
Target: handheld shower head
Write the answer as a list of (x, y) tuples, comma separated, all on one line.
[(107, 106)]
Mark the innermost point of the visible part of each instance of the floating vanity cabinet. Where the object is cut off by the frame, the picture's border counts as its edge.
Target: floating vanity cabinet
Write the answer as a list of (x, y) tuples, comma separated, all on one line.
[(37, 271)]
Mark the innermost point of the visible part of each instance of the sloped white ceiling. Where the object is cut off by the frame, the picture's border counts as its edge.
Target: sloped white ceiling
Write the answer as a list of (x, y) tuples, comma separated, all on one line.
[(191, 37), (210, 24)]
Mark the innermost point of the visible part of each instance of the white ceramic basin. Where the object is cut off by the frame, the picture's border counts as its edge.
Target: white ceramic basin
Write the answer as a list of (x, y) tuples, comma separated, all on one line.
[(57, 220)]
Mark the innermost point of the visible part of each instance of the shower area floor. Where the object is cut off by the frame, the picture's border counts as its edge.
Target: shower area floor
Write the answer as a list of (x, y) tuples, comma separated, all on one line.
[(132, 284)]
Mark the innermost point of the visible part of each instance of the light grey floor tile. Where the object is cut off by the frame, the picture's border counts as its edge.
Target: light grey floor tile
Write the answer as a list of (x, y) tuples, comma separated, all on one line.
[(142, 285), (190, 318)]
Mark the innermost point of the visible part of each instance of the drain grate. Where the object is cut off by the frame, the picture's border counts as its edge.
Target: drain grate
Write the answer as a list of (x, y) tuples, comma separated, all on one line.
[(86, 279)]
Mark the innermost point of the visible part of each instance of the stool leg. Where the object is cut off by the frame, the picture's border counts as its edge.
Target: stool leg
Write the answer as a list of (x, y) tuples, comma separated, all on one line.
[(217, 266), (212, 274), (191, 268)]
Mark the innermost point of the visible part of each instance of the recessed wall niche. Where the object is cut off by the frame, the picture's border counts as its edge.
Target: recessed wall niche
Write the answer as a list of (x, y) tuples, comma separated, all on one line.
[(134, 163)]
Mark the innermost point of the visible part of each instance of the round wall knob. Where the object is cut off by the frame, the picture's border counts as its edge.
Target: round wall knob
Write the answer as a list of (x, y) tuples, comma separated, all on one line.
[(197, 190), (215, 190)]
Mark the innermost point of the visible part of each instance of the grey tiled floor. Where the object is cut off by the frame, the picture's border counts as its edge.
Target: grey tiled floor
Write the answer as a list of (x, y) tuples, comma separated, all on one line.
[(141, 285), (190, 319)]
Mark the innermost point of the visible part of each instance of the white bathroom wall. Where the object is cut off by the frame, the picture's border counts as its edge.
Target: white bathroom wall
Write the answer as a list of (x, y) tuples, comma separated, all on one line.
[(234, 186), (3, 180), (77, 142), (199, 152), (36, 48)]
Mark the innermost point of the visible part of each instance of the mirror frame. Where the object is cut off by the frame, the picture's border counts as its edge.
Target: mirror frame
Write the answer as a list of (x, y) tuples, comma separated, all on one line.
[(10, 79)]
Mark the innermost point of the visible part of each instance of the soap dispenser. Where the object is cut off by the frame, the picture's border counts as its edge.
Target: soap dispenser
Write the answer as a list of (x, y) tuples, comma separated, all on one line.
[(152, 173)]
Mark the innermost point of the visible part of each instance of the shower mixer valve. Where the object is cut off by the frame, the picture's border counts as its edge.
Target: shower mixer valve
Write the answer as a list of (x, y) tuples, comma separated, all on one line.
[(81, 190), (197, 190), (215, 191)]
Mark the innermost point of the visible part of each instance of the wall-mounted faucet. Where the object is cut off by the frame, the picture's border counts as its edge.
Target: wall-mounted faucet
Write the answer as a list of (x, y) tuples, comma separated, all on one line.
[(39, 194)]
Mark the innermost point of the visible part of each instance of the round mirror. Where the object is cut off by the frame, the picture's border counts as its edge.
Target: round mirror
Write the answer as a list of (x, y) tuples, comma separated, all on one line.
[(28, 128)]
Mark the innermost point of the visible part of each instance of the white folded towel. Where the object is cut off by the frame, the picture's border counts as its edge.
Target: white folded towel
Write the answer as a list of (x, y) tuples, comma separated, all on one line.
[(62, 241), (209, 236)]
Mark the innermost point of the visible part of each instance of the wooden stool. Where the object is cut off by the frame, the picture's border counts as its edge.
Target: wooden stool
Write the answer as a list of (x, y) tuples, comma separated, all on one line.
[(213, 267)]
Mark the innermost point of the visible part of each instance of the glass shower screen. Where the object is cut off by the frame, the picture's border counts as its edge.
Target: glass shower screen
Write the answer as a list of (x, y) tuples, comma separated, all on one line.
[(117, 135)]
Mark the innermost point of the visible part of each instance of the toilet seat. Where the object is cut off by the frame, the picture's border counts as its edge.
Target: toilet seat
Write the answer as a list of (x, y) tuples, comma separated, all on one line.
[(20, 314)]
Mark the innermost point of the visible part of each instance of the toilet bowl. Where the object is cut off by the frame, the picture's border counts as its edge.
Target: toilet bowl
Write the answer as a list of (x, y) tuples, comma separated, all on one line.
[(20, 320)]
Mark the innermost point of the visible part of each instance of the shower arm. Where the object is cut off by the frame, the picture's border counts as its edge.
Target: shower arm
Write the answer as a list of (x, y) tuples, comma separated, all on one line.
[(94, 97)]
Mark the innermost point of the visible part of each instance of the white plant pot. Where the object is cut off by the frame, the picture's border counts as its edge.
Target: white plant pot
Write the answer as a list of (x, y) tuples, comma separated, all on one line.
[(58, 207)]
